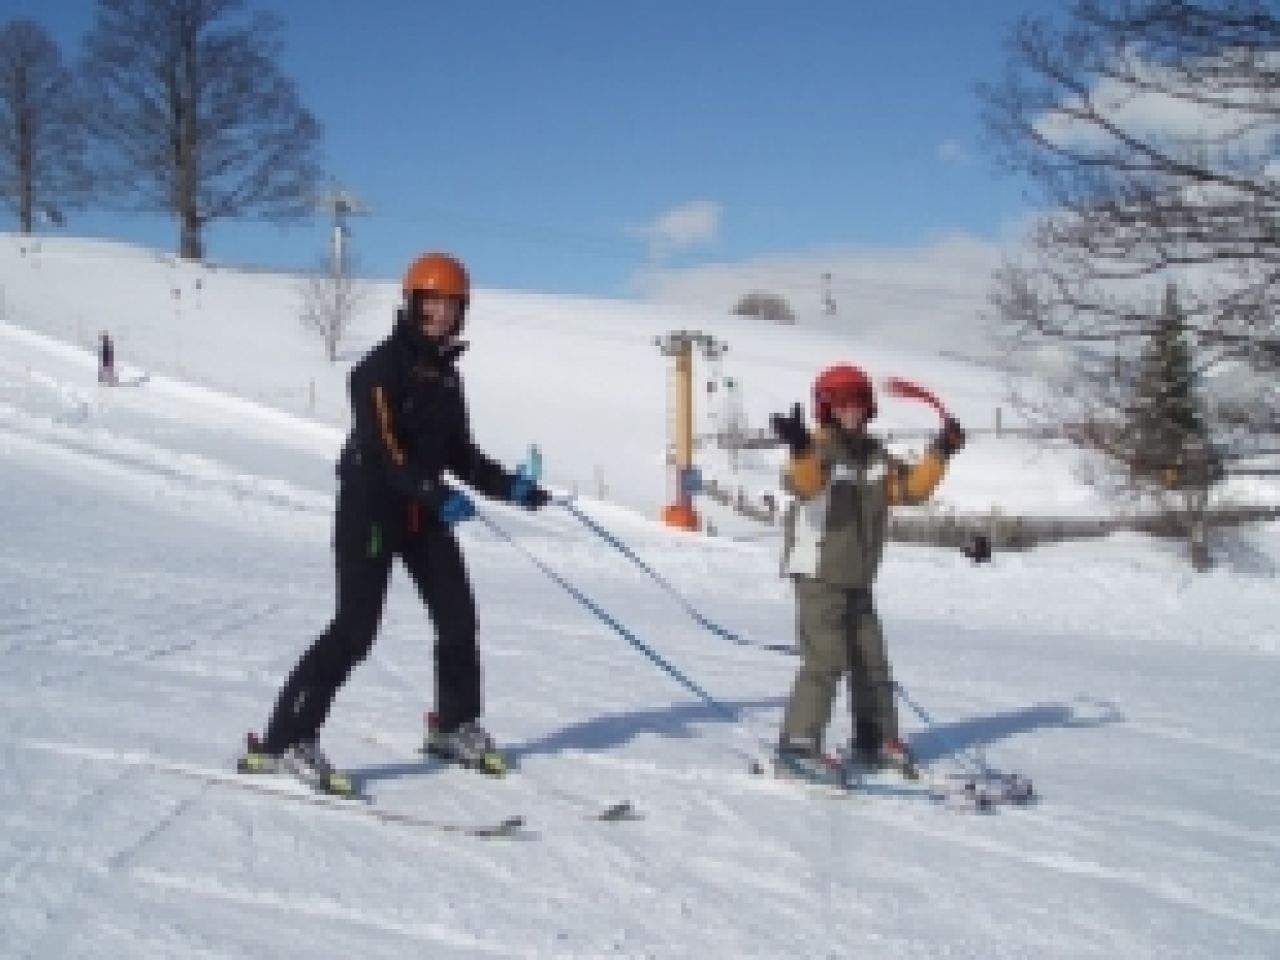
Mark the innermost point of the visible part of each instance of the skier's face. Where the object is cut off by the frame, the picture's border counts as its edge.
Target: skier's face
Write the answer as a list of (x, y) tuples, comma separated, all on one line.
[(439, 317), (850, 414)]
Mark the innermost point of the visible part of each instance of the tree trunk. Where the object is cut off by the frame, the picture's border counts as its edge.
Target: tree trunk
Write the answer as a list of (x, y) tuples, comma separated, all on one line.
[(190, 246), (1198, 530), (26, 172)]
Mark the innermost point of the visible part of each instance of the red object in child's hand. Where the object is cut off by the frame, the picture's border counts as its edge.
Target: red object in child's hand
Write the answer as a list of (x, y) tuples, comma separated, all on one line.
[(898, 387)]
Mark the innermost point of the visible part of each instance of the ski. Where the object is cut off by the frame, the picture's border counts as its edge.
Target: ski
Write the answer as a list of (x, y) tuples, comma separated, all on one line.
[(962, 792), (290, 788), (613, 812), (293, 789), (982, 791)]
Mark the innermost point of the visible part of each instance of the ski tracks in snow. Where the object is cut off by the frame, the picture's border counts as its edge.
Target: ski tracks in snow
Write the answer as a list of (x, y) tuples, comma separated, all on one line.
[(1047, 839)]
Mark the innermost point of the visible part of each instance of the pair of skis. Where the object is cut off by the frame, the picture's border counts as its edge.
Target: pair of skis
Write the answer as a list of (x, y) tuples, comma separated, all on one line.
[(285, 787), (968, 791), (289, 786)]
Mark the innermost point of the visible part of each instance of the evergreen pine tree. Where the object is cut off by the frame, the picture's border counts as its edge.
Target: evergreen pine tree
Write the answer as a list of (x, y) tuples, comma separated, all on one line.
[(1168, 437)]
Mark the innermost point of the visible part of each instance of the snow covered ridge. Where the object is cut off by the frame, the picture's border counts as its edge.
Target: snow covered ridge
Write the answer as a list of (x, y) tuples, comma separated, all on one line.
[(164, 559)]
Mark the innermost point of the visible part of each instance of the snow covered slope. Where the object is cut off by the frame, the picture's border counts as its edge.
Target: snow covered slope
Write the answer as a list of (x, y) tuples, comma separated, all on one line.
[(164, 559)]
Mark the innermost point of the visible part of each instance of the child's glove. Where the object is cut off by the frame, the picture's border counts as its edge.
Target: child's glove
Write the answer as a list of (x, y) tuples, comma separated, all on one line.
[(951, 438), (792, 431)]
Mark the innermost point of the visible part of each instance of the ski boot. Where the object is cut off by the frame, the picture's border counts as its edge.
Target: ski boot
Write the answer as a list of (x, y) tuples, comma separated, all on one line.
[(468, 746), (803, 760), (303, 761), (892, 755)]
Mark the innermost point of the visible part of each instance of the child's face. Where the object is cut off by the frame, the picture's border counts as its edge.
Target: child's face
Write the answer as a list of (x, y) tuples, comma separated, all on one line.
[(851, 415)]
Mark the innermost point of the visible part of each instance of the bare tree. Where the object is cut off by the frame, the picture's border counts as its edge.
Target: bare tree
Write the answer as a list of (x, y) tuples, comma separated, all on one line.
[(42, 143), (1151, 128), (194, 117), (331, 298)]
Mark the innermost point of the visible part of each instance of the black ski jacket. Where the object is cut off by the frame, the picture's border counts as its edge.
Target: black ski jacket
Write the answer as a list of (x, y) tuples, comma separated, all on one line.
[(409, 426)]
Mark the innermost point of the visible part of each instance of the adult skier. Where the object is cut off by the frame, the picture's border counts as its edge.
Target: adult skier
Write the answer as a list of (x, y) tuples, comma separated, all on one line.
[(409, 427), (844, 481)]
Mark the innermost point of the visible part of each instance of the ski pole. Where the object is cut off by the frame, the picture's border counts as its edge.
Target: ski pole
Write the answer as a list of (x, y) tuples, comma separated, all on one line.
[(973, 757)]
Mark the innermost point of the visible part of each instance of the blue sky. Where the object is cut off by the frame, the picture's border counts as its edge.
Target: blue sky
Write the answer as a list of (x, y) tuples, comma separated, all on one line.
[(572, 145)]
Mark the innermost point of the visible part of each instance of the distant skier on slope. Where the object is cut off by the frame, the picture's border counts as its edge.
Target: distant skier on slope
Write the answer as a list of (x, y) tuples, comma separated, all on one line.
[(106, 360), (410, 425), (844, 481)]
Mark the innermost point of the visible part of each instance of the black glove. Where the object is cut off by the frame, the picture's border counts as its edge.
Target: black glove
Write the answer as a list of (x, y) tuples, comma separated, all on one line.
[(792, 431), (525, 493), (950, 438)]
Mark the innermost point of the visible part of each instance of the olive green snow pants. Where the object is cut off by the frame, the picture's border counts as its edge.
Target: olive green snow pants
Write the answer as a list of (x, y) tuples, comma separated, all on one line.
[(838, 631)]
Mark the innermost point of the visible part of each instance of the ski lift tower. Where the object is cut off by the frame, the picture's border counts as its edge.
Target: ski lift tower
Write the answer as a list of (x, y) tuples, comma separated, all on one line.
[(685, 478), (340, 204)]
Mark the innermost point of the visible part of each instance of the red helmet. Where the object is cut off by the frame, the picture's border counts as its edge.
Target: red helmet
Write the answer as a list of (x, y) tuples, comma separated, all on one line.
[(840, 385)]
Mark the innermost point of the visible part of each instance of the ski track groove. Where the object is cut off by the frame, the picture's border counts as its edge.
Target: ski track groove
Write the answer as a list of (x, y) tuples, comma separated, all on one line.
[(103, 877), (59, 927), (200, 622), (1066, 864), (425, 934), (1109, 818), (190, 476), (1190, 739)]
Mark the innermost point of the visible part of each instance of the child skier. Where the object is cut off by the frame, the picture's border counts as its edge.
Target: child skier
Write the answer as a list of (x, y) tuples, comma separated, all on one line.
[(410, 425), (844, 482)]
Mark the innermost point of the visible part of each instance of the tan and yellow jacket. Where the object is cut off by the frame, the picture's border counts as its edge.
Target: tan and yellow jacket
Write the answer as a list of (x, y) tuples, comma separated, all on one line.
[(844, 485)]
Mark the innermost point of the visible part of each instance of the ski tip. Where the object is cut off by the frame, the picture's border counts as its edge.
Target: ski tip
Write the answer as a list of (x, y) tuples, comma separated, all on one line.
[(510, 827), (619, 812)]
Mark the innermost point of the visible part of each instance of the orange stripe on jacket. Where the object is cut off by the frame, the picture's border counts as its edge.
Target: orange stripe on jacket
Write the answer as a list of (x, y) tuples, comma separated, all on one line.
[(914, 486), (384, 427), (919, 481)]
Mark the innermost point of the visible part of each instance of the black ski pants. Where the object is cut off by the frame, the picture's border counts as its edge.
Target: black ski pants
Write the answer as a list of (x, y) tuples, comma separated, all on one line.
[(434, 562)]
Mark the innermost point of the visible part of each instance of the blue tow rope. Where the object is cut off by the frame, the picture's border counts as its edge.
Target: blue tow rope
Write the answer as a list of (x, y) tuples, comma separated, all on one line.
[(657, 578), (654, 657)]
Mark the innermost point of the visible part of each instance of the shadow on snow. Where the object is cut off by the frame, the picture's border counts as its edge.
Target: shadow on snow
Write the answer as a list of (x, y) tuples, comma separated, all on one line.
[(935, 742)]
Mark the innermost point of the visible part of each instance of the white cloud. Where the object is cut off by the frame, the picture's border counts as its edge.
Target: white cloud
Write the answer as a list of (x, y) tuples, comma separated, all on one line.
[(953, 151), (688, 225), (1157, 114)]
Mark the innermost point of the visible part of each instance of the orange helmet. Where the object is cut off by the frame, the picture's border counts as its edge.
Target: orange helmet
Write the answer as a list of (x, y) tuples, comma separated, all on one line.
[(440, 274), (840, 385)]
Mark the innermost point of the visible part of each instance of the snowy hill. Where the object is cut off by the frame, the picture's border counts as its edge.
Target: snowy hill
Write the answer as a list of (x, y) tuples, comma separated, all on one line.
[(165, 559)]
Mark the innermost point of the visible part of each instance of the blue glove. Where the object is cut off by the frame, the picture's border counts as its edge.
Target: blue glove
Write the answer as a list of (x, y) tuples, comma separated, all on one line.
[(526, 493), (456, 507)]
